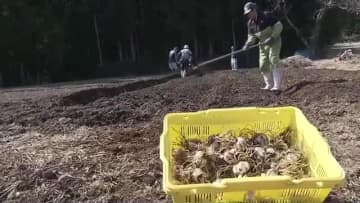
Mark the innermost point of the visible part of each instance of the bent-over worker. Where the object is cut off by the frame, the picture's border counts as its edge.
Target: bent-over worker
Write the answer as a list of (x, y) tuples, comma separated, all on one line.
[(185, 60)]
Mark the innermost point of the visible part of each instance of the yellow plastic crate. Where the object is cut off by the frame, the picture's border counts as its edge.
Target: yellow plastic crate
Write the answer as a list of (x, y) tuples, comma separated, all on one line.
[(326, 172)]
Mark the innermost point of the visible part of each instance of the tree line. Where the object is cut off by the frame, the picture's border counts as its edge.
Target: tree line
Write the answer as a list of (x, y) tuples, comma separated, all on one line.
[(58, 40)]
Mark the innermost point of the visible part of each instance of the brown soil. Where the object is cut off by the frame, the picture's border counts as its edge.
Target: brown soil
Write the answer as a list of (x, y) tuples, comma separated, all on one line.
[(102, 145)]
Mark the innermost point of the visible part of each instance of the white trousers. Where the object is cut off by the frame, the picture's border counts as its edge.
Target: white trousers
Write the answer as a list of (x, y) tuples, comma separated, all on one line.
[(233, 64)]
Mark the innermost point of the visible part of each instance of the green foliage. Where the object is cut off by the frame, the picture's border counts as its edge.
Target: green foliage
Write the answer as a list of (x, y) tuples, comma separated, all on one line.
[(55, 40)]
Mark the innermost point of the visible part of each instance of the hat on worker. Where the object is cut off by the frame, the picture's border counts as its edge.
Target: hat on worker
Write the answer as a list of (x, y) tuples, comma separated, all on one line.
[(249, 6)]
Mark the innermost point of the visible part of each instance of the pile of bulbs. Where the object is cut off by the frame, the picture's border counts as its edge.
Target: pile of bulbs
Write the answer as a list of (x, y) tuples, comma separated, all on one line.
[(228, 156)]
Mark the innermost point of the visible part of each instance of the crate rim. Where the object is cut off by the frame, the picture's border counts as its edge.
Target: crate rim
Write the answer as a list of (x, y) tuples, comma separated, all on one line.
[(230, 109)]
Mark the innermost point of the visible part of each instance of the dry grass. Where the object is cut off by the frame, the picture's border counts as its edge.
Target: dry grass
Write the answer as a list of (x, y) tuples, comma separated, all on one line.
[(82, 165)]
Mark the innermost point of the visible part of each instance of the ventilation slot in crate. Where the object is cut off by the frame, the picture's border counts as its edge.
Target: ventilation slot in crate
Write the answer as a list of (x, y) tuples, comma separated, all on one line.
[(195, 130), (271, 127), (203, 197), (300, 193)]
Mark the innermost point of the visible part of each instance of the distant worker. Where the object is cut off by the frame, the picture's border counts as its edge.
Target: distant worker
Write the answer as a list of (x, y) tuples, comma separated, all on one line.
[(233, 60), (265, 28), (173, 59), (185, 60)]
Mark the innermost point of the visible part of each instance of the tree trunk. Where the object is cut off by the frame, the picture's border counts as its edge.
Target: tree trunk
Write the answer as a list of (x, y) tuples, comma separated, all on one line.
[(120, 51), (1, 80), (133, 47), (140, 40), (38, 77), (233, 33), (29, 79), (211, 48), (22, 74), (196, 46), (315, 41), (297, 30), (98, 41)]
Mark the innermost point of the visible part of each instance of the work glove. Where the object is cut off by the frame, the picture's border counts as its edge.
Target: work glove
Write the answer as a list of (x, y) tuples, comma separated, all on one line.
[(268, 41)]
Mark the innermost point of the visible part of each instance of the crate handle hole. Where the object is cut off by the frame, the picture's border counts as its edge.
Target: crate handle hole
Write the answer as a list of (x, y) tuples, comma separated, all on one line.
[(296, 181), (265, 112), (320, 184)]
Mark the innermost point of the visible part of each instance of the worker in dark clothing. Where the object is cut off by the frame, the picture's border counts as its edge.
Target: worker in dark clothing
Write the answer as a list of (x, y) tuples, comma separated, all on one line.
[(173, 59), (185, 60)]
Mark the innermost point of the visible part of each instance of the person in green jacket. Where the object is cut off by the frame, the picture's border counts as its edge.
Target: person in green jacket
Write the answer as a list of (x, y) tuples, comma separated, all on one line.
[(266, 29)]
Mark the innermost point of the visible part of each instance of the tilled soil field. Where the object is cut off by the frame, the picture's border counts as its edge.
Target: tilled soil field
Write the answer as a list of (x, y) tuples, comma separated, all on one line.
[(102, 144)]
